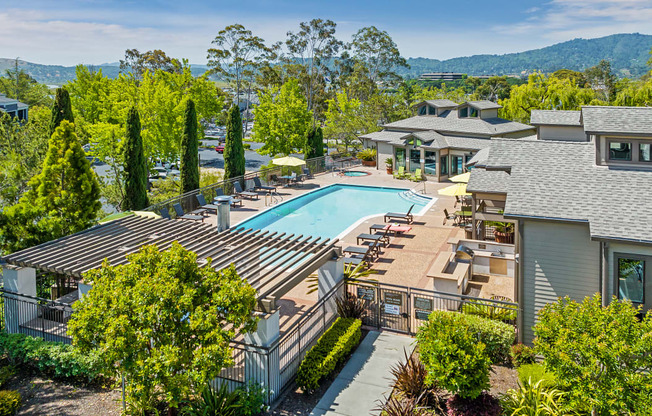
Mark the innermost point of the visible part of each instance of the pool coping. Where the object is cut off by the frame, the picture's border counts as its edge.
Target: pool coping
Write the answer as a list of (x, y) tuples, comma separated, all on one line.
[(421, 212)]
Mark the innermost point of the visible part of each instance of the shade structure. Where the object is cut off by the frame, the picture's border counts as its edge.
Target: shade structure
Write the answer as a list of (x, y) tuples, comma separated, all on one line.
[(288, 161), (461, 178), (459, 189)]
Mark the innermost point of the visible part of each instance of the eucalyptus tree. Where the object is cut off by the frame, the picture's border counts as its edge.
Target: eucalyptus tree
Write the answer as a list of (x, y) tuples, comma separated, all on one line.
[(379, 53)]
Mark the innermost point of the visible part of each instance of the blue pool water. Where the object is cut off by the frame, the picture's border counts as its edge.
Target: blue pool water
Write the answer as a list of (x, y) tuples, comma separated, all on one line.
[(329, 211)]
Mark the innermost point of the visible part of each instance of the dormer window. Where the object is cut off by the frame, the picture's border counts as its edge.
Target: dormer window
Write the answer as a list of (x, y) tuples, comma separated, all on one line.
[(620, 151), (645, 152), (432, 110), (464, 112), (427, 110), (473, 112), (423, 110)]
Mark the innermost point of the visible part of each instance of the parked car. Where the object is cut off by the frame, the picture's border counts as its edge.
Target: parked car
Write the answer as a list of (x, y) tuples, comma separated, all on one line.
[(219, 148)]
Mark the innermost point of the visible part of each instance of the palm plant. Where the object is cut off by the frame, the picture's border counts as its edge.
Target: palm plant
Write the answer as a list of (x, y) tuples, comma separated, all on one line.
[(410, 377), (214, 402)]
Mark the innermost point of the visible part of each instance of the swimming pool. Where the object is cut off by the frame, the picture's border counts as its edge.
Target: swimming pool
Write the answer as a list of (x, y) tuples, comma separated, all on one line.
[(332, 210), (355, 173)]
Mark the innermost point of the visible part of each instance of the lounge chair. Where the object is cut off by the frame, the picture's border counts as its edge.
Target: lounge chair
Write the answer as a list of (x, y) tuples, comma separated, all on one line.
[(306, 173), (165, 213), (401, 173), (417, 177), (398, 215), (259, 185), (355, 260), (396, 229), (245, 194), (382, 237), (182, 216), (204, 205), (448, 216), (234, 201)]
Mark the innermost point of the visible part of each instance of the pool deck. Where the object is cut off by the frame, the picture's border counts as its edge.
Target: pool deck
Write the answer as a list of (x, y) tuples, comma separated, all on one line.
[(406, 260)]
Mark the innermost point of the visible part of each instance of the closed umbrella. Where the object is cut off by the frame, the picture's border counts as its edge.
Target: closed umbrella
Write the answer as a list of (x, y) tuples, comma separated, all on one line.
[(462, 177)]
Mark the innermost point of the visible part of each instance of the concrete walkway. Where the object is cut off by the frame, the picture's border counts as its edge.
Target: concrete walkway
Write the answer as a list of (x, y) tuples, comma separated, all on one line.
[(366, 378)]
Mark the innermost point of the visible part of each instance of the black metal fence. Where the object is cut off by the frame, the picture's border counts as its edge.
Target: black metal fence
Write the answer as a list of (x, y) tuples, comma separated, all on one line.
[(314, 166), (37, 317), (403, 309)]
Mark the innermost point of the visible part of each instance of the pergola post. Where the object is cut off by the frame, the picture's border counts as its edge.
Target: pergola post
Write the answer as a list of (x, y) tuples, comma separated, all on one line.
[(329, 276), (264, 367), (19, 309)]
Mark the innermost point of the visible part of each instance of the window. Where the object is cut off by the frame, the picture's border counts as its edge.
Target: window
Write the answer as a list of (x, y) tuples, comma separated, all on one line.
[(432, 110), (473, 112), (631, 279), (430, 165), (620, 151), (423, 110), (399, 155), (464, 112), (644, 152), (443, 162), (457, 165), (415, 159)]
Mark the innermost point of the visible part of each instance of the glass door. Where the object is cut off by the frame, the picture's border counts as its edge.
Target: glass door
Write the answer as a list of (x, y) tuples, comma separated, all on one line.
[(415, 159), (457, 165), (430, 166), (399, 155)]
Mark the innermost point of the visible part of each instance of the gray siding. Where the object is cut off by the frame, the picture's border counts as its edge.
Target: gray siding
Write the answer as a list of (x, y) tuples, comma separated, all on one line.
[(559, 259)]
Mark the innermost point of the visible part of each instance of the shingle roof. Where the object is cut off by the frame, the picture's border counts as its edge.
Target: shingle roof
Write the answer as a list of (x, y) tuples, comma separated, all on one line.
[(555, 117), (490, 181), (385, 135), (471, 143), (442, 103), (480, 158), (559, 180), (602, 119), (451, 124), (483, 104)]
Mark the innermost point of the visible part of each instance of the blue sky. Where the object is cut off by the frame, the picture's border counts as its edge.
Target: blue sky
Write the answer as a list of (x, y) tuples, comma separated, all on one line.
[(68, 32)]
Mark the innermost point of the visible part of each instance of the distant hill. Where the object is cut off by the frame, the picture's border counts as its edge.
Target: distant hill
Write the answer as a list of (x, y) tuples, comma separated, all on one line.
[(58, 75), (628, 54)]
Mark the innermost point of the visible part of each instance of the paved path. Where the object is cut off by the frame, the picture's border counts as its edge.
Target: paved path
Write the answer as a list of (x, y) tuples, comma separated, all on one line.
[(365, 378)]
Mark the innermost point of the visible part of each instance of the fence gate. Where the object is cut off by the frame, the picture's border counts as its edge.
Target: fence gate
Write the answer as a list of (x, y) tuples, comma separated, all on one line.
[(395, 310)]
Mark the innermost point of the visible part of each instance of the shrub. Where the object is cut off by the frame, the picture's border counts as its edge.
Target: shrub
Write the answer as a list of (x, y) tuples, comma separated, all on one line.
[(536, 373), (251, 399), (483, 405), (453, 357), (532, 399), (214, 402), (410, 376), (6, 373), (367, 154), (10, 402), (497, 336), (394, 406), (522, 354), (489, 310), (54, 359), (331, 348), (247, 146), (350, 306)]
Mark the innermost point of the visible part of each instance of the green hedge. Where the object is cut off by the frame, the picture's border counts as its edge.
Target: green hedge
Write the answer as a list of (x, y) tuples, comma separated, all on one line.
[(497, 336), (10, 402), (54, 359), (332, 348)]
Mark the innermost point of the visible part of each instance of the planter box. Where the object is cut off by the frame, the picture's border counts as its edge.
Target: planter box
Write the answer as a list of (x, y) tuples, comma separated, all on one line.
[(369, 163), (390, 171)]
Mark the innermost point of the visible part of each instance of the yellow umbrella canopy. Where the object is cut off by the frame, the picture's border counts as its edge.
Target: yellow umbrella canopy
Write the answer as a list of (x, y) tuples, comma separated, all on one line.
[(459, 189), (462, 177), (288, 161)]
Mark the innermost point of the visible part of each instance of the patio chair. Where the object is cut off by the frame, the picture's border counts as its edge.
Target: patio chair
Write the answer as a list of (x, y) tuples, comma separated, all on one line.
[(381, 237), (417, 177), (259, 185), (355, 260), (204, 205), (400, 174), (182, 216), (448, 216), (165, 213), (307, 173), (245, 194), (399, 215), (234, 201)]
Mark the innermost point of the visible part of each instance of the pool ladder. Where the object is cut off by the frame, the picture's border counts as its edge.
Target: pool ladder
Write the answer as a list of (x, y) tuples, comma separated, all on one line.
[(274, 198)]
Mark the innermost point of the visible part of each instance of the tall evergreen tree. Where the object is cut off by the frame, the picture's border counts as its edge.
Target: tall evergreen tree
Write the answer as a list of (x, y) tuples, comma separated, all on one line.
[(309, 150), (189, 150), (319, 142), (61, 110), (234, 160), (62, 199), (135, 165)]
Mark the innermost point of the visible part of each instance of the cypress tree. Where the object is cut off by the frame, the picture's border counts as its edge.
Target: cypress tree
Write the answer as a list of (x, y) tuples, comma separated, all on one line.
[(135, 165), (309, 150), (61, 110), (189, 150), (319, 142), (234, 160)]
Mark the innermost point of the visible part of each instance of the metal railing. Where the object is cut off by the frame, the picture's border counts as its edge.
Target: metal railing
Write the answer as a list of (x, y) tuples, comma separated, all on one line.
[(37, 317), (315, 166)]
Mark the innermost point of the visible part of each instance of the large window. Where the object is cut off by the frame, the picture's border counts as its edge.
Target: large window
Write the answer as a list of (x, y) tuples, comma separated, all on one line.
[(443, 163), (645, 152), (631, 279), (399, 155), (415, 159), (464, 112), (473, 112), (423, 110), (457, 165), (620, 150), (432, 110), (430, 165)]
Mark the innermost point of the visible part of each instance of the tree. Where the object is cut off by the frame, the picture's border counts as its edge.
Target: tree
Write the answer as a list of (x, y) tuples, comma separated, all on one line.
[(344, 121), (310, 147), (61, 200), (602, 79), (599, 355), (62, 109), (319, 142), (493, 89), (163, 322), (314, 44), (20, 85), (282, 119), (135, 165), (380, 55), (234, 160), (154, 60), (190, 150), (577, 77)]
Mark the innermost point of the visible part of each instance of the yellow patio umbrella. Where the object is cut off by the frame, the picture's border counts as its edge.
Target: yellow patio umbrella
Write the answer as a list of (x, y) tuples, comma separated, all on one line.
[(462, 177), (459, 189), (288, 161)]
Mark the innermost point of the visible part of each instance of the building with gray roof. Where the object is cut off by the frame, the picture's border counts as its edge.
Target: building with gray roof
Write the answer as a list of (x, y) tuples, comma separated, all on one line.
[(442, 137), (14, 108)]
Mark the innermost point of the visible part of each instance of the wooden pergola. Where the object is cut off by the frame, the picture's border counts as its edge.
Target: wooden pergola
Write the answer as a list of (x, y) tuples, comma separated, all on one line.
[(272, 262)]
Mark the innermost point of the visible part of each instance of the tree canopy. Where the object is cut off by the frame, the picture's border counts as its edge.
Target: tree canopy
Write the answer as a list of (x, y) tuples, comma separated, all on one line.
[(163, 322)]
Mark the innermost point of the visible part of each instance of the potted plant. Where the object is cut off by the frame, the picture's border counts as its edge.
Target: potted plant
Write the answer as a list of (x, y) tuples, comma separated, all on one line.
[(503, 232), (368, 157), (389, 164)]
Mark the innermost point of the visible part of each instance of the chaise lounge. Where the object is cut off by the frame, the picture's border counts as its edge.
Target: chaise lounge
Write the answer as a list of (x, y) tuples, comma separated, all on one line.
[(244, 194), (399, 215), (259, 185)]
